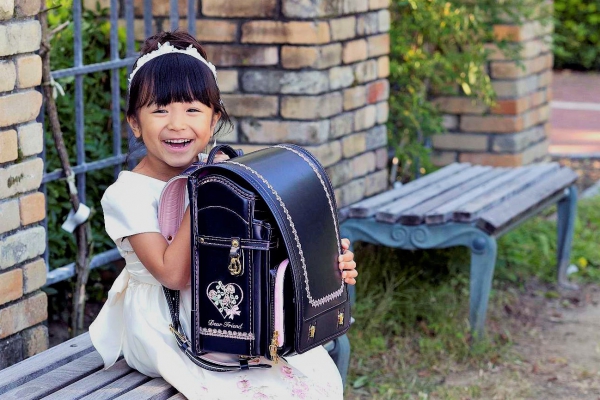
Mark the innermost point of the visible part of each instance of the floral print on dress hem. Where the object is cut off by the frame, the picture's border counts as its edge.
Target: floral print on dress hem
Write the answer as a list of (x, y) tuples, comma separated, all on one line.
[(299, 387)]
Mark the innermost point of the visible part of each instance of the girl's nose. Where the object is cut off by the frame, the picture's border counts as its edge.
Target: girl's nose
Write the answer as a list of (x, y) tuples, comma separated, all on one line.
[(176, 122)]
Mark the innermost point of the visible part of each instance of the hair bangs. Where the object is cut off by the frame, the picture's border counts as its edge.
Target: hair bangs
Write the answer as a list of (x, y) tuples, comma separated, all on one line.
[(173, 78)]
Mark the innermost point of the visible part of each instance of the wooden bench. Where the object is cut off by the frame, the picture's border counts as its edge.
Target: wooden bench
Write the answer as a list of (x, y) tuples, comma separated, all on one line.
[(466, 205), (73, 370)]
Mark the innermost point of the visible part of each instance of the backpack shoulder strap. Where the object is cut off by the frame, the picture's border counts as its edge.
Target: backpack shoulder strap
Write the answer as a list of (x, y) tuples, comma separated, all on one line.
[(171, 206)]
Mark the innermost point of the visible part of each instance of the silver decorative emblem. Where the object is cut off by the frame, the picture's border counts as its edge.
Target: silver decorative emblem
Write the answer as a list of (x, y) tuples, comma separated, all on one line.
[(226, 298)]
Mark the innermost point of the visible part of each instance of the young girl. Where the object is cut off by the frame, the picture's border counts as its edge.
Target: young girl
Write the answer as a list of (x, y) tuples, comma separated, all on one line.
[(175, 109)]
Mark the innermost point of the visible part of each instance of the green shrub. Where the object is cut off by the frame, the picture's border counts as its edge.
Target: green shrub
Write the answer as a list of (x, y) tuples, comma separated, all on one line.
[(438, 47), (577, 34)]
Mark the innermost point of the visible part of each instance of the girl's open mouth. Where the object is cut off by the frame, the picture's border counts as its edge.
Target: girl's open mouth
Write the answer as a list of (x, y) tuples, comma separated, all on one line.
[(177, 143)]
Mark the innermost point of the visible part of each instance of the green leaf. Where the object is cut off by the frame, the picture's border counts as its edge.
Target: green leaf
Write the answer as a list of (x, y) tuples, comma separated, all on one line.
[(360, 382)]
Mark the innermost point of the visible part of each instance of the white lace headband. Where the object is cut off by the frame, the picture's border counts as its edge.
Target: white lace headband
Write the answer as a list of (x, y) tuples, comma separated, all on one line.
[(167, 48)]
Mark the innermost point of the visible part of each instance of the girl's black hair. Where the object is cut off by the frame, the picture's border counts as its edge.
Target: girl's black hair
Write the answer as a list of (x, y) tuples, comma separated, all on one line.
[(173, 78)]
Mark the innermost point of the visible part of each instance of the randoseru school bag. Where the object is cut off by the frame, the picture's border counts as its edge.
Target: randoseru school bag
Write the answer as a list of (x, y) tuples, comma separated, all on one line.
[(265, 247)]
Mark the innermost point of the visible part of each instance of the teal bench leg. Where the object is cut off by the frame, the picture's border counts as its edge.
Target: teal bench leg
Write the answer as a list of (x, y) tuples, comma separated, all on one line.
[(483, 260), (567, 211), (483, 252)]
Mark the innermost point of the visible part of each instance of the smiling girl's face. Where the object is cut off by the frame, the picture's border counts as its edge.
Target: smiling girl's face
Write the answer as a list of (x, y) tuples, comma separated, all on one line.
[(174, 107), (173, 134)]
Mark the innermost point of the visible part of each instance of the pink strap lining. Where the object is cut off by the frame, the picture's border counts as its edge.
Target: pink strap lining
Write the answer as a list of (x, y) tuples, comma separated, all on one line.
[(171, 207), (279, 300)]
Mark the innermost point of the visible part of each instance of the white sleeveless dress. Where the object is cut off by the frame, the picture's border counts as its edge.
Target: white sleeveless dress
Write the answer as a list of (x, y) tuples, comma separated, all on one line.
[(134, 321)]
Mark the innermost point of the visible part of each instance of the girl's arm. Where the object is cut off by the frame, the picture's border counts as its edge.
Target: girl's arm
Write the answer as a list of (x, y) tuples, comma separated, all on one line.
[(169, 264)]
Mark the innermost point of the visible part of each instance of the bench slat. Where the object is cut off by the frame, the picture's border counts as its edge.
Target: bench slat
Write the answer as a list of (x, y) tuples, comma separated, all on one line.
[(494, 219), (178, 396), (368, 207), (416, 215), (470, 211), (118, 387), (391, 213), (56, 379), (444, 213), (48, 360), (91, 383), (156, 389)]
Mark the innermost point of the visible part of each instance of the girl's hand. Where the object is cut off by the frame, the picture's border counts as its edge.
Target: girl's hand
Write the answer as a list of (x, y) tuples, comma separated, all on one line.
[(220, 156), (347, 264)]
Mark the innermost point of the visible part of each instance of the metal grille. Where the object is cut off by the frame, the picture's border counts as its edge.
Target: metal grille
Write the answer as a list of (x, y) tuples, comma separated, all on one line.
[(78, 71)]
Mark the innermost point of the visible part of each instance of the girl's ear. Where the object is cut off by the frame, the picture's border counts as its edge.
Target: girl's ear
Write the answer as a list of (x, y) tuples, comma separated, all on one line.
[(135, 126), (215, 119)]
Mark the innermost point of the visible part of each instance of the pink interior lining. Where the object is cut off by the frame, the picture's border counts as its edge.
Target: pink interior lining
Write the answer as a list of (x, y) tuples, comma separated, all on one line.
[(279, 300)]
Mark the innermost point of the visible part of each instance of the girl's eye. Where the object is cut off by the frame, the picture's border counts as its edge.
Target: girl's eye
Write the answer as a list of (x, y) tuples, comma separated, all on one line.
[(193, 110), (159, 111)]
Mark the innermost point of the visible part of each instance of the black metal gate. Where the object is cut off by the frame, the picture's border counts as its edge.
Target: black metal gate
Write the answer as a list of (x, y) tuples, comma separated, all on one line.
[(78, 71)]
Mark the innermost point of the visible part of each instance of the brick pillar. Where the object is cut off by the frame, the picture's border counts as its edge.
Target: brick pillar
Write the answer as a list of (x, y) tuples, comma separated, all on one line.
[(23, 307), (515, 131), (308, 72)]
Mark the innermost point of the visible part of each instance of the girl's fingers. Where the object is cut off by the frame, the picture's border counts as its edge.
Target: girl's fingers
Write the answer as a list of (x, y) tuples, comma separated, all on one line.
[(349, 272), (220, 156), (347, 266), (347, 256), (352, 273)]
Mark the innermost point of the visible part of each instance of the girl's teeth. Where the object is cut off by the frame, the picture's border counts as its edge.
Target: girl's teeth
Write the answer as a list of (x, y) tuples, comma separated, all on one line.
[(177, 141)]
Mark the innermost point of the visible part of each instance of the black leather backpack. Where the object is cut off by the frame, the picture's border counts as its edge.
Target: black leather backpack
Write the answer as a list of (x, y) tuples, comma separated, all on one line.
[(265, 248)]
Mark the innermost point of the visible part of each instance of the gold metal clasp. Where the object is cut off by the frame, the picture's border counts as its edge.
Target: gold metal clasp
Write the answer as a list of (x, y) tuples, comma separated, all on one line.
[(340, 318), (273, 347), (235, 265), (311, 331), (182, 338)]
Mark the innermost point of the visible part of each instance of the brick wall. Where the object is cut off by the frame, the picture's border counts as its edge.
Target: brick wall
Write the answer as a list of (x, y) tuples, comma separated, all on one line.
[(308, 72), (515, 131), (23, 307)]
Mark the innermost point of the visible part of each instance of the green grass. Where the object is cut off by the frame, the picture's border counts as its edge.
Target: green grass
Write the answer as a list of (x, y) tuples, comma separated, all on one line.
[(531, 249), (412, 327)]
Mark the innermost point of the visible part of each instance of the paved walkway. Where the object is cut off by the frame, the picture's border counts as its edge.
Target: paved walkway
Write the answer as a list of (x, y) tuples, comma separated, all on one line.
[(575, 114)]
